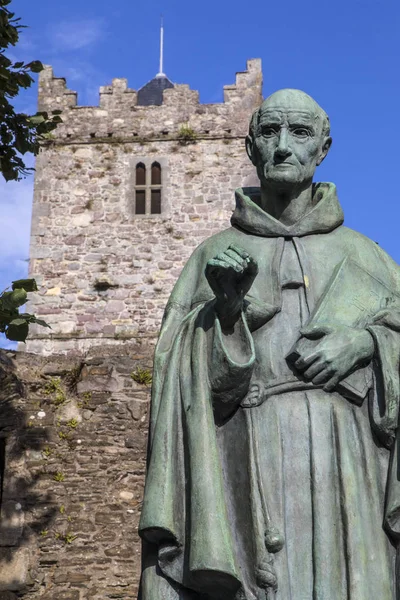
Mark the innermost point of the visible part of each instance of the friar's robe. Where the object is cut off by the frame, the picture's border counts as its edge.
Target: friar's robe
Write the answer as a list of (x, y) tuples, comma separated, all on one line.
[(229, 480)]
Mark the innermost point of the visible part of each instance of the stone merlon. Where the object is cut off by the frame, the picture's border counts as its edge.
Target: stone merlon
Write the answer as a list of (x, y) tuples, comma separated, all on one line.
[(180, 105)]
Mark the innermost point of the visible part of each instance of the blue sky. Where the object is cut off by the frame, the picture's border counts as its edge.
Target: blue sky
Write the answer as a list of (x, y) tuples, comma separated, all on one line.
[(345, 53)]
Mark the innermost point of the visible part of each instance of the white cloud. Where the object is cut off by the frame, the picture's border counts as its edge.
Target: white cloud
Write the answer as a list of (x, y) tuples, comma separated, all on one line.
[(75, 35)]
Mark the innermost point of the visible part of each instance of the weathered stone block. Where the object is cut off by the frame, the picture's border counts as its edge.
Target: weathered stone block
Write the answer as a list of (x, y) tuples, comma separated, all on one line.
[(11, 523), (14, 569)]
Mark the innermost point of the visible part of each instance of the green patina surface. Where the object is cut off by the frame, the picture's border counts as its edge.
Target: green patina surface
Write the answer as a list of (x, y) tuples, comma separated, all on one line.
[(275, 394)]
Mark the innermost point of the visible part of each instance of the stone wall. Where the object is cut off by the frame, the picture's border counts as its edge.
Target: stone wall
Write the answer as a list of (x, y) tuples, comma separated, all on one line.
[(73, 434), (85, 235)]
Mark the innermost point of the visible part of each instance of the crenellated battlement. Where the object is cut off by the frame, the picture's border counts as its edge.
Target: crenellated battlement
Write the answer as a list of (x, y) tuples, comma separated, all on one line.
[(118, 113), (117, 95), (53, 92)]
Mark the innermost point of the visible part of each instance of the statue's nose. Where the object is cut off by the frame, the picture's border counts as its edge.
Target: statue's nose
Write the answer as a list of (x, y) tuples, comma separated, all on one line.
[(282, 149)]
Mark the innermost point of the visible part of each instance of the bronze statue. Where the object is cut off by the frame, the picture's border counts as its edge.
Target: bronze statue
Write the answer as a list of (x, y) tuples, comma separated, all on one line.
[(272, 466)]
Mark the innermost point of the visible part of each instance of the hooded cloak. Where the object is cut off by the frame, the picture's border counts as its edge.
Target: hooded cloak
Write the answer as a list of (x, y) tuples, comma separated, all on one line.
[(229, 482)]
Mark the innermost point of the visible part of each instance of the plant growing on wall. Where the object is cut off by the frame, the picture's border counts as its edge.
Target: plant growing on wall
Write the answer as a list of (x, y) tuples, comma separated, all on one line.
[(142, 376), (186, 134)]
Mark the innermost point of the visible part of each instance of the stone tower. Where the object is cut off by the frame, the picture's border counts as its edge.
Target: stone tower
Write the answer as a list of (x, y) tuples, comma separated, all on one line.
[(124, 192)]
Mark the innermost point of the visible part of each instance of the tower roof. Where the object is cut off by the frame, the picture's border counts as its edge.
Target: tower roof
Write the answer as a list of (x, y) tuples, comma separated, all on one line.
[(152, 92)]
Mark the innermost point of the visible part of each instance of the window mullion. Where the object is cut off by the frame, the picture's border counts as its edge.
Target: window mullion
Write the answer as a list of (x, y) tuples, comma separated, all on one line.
[(148, 193), (148, 200)]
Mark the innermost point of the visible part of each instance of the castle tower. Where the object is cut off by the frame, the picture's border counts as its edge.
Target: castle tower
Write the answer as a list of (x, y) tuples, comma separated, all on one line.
[(124, 192)]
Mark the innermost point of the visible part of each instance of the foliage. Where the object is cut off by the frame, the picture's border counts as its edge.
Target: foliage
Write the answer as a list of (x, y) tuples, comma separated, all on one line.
[(186, 134), (19, 133), (12, 323), (142, 376), (59, 477), (69, 537), (72, 378), (73, 423), (86, 397), (54, 389)]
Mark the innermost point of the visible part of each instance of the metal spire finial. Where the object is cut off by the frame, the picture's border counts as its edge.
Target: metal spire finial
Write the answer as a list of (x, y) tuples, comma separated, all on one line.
[(161, 72)]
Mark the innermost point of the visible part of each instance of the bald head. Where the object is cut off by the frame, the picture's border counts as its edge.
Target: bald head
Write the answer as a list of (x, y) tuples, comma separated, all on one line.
[(291, 100), (288, 138)]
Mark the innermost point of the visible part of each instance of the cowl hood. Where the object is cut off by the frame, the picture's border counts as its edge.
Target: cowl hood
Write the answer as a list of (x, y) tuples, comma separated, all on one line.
[(324, 216)]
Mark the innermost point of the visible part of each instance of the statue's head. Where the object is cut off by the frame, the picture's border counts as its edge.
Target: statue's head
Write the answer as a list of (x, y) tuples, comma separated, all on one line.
[(288, 138)]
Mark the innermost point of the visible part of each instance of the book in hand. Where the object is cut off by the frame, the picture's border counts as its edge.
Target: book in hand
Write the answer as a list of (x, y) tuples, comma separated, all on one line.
[(352, 298)]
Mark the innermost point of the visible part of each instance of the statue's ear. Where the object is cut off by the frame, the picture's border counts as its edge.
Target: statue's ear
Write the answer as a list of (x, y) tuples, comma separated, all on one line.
[(250, 148), (324, 150)]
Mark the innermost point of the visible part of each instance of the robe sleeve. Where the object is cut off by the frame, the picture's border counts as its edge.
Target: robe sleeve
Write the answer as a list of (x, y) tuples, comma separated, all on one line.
[(384, 407), (231, 355), (385, 396), (184, 519), (231, 363), (385, 330)]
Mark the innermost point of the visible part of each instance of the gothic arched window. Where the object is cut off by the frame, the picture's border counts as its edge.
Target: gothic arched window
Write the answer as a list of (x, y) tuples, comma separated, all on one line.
[(140, 189), (148, 189), (156, 174), (155, 206), (140, 174)]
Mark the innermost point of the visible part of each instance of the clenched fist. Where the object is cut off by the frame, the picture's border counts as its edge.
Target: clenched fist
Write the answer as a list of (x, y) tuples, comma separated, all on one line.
[(230, 275)]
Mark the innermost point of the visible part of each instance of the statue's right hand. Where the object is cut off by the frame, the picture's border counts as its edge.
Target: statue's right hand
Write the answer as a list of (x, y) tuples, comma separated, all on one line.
[(230, 275)]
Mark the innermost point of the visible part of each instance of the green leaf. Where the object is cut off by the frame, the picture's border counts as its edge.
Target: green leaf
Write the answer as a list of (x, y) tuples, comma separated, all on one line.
[(17, 322), (6, 316), (35, 66), (17, 333), (36, 119), (42, 323), (32, 319), (29, 285), (12, 300)]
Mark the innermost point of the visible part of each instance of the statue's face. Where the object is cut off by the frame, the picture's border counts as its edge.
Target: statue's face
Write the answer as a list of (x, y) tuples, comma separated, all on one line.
[(289, 143)]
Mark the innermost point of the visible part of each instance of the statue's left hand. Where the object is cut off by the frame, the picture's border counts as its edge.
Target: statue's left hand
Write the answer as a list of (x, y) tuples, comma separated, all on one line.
[(328, 355)]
